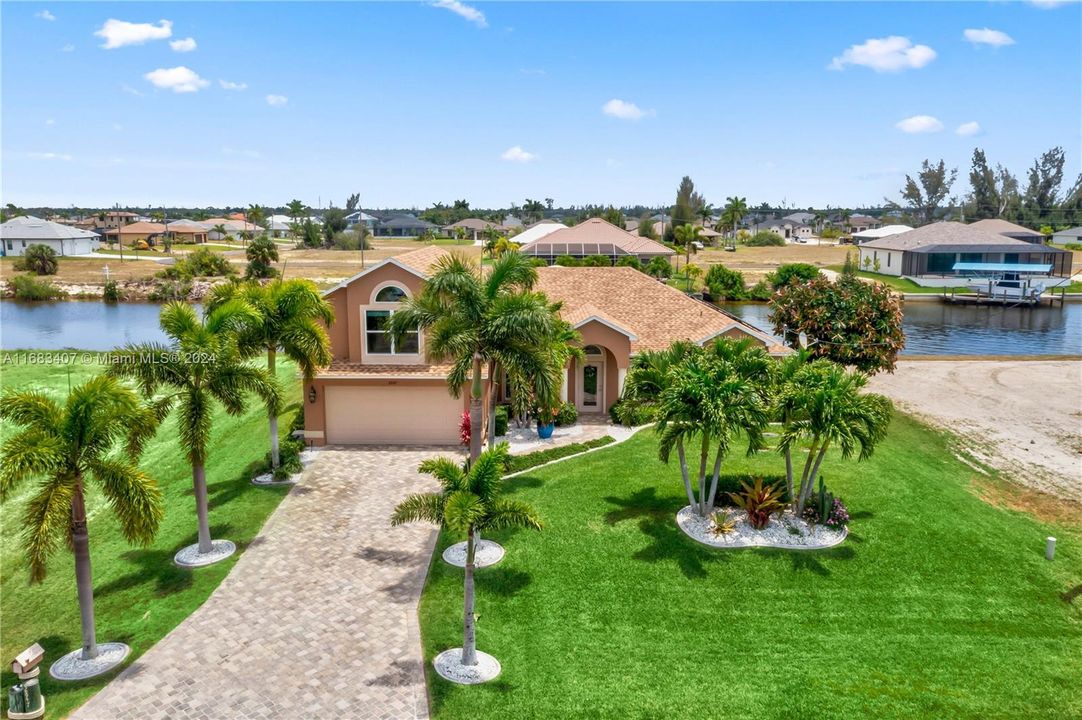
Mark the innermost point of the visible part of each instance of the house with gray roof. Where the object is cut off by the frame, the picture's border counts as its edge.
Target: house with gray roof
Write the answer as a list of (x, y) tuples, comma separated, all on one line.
[(21, 232), (933, 250), (1073, 235), (404, 226), (1009, 229)]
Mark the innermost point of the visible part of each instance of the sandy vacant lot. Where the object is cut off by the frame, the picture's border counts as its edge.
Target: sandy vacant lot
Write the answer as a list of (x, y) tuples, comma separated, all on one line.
[(1022, 417)]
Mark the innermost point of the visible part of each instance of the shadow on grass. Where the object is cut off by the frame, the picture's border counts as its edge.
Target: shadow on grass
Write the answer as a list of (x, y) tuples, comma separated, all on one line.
[(641, 503), (501, 581), (155, 567), (522, 482)]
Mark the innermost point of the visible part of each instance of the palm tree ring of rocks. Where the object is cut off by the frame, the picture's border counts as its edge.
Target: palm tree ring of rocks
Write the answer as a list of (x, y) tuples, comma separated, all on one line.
[(486, 553), (448, 665), (73, 667), (190, 557)]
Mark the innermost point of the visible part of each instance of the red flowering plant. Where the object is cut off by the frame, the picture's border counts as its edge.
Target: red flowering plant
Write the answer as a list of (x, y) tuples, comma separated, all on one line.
[(464, 429), (546, 415)]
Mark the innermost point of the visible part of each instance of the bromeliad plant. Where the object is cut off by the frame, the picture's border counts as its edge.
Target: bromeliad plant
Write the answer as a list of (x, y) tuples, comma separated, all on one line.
[(468, 503), (759, 502)]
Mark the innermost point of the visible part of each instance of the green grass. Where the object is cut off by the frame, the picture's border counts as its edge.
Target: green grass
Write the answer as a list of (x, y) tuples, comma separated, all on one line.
[(139, 594), (938, 604), (903, 285), (517, 463)]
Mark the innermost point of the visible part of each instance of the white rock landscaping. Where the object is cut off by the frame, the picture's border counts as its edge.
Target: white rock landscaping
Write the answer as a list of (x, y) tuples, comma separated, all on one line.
[(190, 557), (449, 666), (486, 553), (784, 531), (73, 667)]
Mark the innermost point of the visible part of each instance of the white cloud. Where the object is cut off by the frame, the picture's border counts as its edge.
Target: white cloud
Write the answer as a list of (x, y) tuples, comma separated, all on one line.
[(463, 10), (277, 100), (45, 15), (517, 154), (227, 85), (118, 33), (969, 129), (987, 36), (130, 90), (179, 79), (254, 154), (624, 110), (50, 122), (919, 124), (68, 48), (51, 156), (1051, 4), (185, 45), (889, 54), (118, 127)]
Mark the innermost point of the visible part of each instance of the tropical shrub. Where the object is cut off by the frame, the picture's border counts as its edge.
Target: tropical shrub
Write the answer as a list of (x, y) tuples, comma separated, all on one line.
[(850, 321), (38, 259), (837, 516), (659, 267), (167, 289), (759, 501), (630, 261), (792, 272), (761, 290), (721, 523), (725, 284), (27, 287), (632, 414), (261, 253), (765, 238), (111, 292), (517, 463), (501, 419), (567, 414), (205, 263), (596, 261), (350, 240), (567, 261)]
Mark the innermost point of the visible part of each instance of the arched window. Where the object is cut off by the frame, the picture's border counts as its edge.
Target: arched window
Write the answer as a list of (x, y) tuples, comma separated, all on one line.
[(390, 294), (592, 350)]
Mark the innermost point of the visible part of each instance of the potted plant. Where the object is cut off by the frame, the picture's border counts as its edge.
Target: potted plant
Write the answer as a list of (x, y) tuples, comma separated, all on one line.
[(546, 421)]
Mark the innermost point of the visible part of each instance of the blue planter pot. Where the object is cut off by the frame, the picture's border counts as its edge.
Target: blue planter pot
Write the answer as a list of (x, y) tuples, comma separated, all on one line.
[(545, 431)]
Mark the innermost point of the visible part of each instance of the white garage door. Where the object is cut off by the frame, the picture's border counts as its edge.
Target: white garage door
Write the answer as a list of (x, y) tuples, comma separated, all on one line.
[(392, 415)]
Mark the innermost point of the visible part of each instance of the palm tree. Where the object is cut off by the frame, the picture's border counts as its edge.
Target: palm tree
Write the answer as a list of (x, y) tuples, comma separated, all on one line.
[(735, 210), (296, 210), (713, 395), (828, 408), (222, 230), (705, 213), (64, 446), (294, 317), (470, 318), (202, 364), (687, 235), (785, 405), (468, 503), (255, 215)]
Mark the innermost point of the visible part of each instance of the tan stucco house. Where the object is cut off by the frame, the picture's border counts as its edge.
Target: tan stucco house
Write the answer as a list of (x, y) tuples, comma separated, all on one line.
[(377, 391)]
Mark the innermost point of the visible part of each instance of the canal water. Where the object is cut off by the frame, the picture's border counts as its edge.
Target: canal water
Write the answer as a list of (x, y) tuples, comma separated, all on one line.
[(931, 327)]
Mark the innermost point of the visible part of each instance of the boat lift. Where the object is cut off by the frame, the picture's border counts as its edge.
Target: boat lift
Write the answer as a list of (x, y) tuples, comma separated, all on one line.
[(1003, 283)]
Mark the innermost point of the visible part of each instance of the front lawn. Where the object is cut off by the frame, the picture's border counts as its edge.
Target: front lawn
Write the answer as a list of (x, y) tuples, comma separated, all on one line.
[(139, 594), (937, 605)]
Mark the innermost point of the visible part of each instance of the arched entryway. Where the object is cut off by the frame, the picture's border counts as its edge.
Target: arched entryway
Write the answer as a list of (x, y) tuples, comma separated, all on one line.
[(590, 385)]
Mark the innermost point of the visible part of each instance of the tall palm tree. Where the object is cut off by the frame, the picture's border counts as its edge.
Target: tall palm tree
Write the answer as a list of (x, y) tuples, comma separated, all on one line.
[(64, 446), (468, 503), (296, 211), (202, 365), (713, 395), (294, 317), (256, 215), (705, 213), (735, 210), (829, 408), (222, 230), (470, 318), (786, 406), (687, 235)]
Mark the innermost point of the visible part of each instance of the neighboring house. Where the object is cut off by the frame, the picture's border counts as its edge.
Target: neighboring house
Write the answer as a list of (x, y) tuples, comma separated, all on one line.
[(1074, 235), (537, 231), (934, 249), (377, 391), (789, 229), (23, 231), (359, 216), (885, 231), (136, 231), (404, 226), (281, 226), (1009, 229), (233, 227), (187, 231), (512, 223), (861, 223), (474, 227), (804, 218), (595, 237), (114, 219)]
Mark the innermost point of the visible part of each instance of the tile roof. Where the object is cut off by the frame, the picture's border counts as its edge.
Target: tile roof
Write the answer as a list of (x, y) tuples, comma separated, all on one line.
[(590, 234), (28, 227), (139, 228), (953, 237), (186, 226), (347, 369), (422, 259), (656, 313), (476, 224)]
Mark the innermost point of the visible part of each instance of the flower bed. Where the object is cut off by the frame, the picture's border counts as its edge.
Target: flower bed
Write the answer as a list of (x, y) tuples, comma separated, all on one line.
[(783, 531)]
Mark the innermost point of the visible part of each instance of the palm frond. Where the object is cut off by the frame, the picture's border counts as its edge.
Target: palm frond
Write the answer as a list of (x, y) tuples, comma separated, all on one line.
[(419, 508), (506, 513), (28, 454), (46, 522), (31, 408), (462, 510), (134, 496), (447, 471)]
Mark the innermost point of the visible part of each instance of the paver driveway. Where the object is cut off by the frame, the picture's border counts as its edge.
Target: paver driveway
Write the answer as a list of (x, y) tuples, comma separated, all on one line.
[(317, 619)]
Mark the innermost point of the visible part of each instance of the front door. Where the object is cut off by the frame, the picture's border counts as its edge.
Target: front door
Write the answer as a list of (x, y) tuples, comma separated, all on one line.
[(591, 396)]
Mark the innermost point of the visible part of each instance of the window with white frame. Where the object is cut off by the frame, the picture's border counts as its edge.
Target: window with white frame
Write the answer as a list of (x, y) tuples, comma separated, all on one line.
[(378, 341)]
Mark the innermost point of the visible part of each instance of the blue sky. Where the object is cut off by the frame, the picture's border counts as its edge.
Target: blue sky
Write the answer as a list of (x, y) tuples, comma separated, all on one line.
[(410, 103)]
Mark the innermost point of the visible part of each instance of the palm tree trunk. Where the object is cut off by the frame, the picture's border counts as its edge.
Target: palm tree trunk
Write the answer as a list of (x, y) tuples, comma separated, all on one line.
[(806, 491), (84, 583), (491, 424), (704, 452), (469, 630), (714, 481), (475, 410), (812, 450), (684, 471), (199, 482), (273, 416), (789, 473)]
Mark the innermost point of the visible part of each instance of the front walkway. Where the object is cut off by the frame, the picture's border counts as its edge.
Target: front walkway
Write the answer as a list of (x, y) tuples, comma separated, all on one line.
[(318, 618)]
